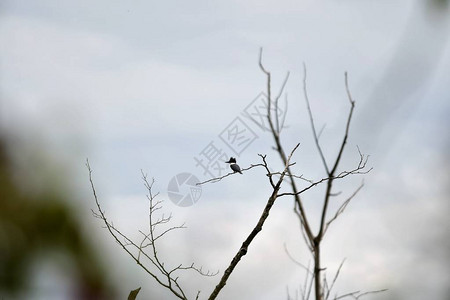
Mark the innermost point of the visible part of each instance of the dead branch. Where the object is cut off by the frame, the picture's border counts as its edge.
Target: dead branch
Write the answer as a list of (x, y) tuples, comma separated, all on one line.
[(295, 176), (327, 295), (311, 119), (217, 179), (259, 225), (313, 241), (277, 98), (309, 277), (295, 260), (298, 206), (355, 171), (164, 276), (343, 206), (358, 294)]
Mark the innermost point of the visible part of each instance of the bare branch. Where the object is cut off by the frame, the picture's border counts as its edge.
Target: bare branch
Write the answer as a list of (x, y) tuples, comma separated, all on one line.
[(311, 119), (306, 289), (277, 121), (334, 279), (298, 206), (194, 268), (114, 232), (269, 101), (294, 176), (217, 179), (335, 166), (347, 127), (284, 113), (352, 102), (244, 247), (371, 292), (308, 242), (357, 295), (343, 206), (296, 261), (260, 61), (305, 189), (340, 175), (321, 131), (162, 275)]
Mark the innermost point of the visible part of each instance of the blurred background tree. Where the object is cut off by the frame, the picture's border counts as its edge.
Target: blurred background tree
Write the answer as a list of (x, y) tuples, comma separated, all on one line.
[(35, 225)]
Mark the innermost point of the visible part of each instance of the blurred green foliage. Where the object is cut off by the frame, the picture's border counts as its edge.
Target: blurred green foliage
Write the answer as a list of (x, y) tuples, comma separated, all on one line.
[(32, 224)]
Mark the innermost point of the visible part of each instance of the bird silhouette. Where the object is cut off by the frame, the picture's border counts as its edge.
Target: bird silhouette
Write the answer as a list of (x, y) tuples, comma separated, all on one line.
[(235, 167)]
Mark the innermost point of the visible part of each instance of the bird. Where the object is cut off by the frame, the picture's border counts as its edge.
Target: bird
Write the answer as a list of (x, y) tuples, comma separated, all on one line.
[(233, 165)]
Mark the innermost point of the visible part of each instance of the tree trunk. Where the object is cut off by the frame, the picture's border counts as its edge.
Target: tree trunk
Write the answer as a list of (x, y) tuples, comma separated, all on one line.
[(317, 270)]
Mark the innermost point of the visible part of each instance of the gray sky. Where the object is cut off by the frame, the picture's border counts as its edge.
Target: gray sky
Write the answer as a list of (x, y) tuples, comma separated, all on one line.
[(149, 84)]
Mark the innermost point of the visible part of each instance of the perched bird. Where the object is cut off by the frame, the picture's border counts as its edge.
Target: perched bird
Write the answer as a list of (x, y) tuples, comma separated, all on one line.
[(233, 165)]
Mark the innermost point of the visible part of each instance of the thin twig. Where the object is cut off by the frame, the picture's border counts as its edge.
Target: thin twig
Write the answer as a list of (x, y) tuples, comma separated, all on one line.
[(276, 103), (296, 261), (311, 119), (343, 206), (340, 175), (334, 279), (357, 294)]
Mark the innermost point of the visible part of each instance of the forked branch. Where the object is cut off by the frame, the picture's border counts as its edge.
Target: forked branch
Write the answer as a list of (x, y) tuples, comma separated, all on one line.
[(313, 241), (299, 208), (259, 225), (158, 270)]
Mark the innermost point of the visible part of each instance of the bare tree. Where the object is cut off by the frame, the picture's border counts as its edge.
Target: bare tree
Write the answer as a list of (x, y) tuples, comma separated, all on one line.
[(313, 237), (150, 261), (313, 240)]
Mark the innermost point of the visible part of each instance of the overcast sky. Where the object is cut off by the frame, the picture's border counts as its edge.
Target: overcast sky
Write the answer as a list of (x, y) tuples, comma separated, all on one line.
[(150, 84)]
